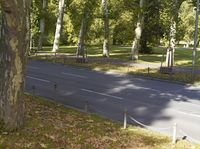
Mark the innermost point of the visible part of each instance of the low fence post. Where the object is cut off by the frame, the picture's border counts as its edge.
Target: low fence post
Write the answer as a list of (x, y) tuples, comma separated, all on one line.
[(55, 86), (86, 105), (171, 75), (125, 118), (64, 60), (148, 71), (33, 88), (174, 133), (55, 57)]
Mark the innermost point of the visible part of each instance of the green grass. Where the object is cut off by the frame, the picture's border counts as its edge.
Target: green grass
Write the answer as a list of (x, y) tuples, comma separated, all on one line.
[(107, 66), (50, 125), (183, 57), (122, 54)]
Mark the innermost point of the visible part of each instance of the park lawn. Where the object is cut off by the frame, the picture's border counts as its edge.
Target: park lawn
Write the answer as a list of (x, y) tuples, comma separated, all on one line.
[(106, 66), (183, 57), (50, 125), (119, 62)]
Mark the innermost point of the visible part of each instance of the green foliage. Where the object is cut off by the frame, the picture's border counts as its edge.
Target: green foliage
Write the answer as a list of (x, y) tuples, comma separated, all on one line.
[(123, 15), (50, 20), (152, 31)]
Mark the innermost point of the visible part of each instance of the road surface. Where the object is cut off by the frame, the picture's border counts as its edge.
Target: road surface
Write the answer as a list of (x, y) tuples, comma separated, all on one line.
[(154, 103)]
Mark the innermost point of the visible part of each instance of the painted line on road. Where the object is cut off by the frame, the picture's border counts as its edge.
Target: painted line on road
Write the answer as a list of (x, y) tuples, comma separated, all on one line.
[(74, 75), (190, 114), (32, 67), (102, 94), (38, 79)]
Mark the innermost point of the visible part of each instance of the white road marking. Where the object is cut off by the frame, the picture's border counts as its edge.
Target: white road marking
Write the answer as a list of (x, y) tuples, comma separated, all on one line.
[(38, 79), (32, 67), (74, 75), (102, 94), (190, 114)]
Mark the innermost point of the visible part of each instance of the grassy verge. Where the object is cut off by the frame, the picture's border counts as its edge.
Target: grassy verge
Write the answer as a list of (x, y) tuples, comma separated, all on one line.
[(50, 125), (101, 65), (183, 56)]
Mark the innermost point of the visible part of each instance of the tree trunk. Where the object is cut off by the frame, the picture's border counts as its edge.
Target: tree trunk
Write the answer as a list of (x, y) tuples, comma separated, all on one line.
[(194, 54), (106, 28), (13, 52), (42, 26), (81, 53), (172, 35), (172, 43), (138, 32), (58, 25)]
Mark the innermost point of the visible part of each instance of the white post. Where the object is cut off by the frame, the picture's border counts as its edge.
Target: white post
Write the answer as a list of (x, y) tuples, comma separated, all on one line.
[(174, 133), (125, 118)]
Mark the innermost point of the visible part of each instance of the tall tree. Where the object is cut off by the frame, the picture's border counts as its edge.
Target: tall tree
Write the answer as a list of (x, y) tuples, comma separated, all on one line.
[(42, 24), (106, 28), (138, 32), (59, 25), (13, 51), (87, 8), (81, 53), (152, 31), (172, 33)]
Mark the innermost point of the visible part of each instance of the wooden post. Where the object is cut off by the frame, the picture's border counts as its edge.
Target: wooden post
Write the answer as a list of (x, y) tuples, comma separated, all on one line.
[(55, 86), (148, 71), (33, 88), (86, 106), (55, 57)]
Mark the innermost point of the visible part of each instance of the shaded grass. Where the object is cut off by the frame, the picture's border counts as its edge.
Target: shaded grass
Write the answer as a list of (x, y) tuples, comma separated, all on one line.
[(183, 57), (50, 125), (125, 69)]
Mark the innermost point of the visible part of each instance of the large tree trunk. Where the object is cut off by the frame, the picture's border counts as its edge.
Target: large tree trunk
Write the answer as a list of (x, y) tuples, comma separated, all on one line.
[(81, 53), (106, 28), (172, 34), (14, 46), (138, 32), (58, 25), (42, 26)]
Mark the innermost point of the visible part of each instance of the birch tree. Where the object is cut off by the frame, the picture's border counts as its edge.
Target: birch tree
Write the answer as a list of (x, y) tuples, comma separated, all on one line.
[(42, 25), (106, 28), (59, 25), (13, 51), (138, 32), (172, 33)]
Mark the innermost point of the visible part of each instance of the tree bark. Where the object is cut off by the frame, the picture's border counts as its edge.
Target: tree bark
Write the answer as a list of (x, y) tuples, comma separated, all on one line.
[(42, 26), (58, 25), (106, 49), (13, 52), (81, 53), (138, 32), (172, 34)]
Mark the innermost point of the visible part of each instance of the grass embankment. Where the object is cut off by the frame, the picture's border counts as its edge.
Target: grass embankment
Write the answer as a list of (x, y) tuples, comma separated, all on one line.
[(119, 62), (49, 125)]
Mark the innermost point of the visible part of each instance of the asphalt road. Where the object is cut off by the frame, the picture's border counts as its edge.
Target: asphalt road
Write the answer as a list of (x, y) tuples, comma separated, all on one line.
[(154, 103)]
